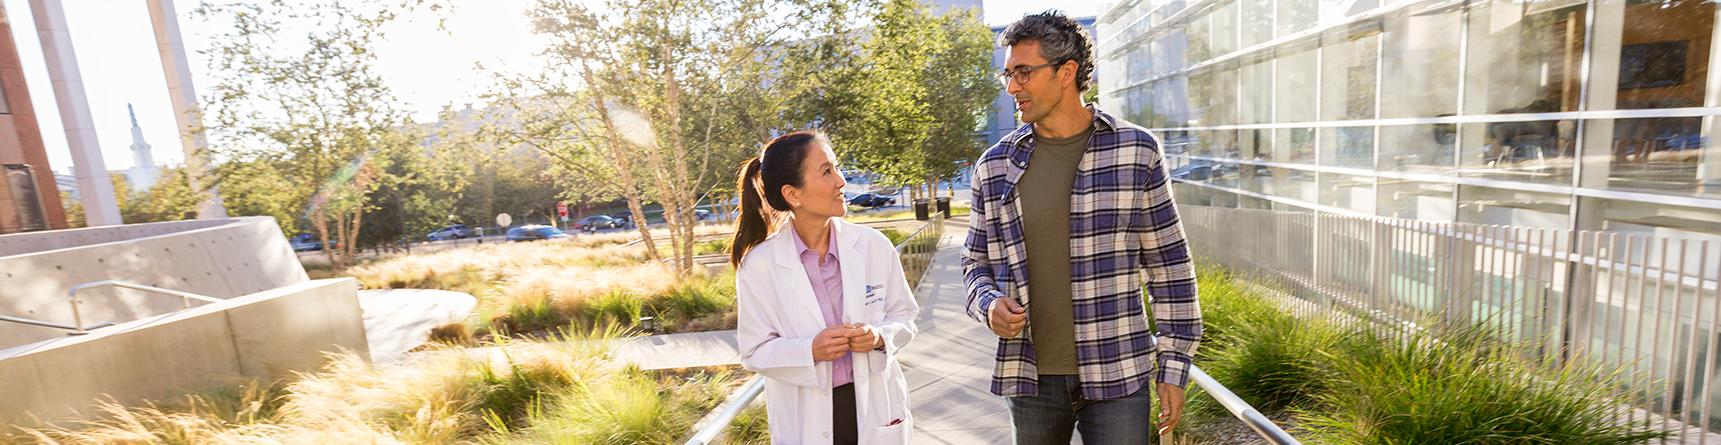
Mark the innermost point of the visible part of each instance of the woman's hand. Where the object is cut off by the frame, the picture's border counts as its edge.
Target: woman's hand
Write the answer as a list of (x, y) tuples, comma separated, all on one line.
[(831, 343), (864, 338)]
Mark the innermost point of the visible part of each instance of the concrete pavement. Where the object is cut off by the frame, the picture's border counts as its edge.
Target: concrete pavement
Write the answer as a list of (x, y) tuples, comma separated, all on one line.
[(949, 364)]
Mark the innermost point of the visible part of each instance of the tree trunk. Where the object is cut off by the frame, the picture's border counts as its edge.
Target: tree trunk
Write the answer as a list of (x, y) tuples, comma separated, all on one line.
[(629, 191)]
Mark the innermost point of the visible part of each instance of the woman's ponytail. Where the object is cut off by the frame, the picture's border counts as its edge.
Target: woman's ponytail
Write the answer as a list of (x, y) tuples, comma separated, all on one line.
[(750, 225), (761, 188)]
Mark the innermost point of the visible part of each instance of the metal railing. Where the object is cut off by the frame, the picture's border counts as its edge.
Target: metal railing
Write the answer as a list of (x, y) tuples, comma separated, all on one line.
[(916, 251), (76, 330), (1645, 304), (1266, 428), (78, 319), (916, 254)]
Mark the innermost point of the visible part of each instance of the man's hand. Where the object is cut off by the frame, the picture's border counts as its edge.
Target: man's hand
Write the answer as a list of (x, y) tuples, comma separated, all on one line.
[(1170, 407), (1006, 318), (831, 343), (864, 338)]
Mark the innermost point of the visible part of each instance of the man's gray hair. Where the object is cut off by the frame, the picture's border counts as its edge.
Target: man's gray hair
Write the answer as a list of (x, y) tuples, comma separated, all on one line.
[(1061, 39)]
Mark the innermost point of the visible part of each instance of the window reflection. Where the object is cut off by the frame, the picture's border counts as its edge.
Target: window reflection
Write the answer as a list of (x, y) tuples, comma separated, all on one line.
[(1658, 154), (1532, 151), (1419, 60), (1664, 53), (1426, 201), (1348, 147), (1348, 191), (1348, 62), (1255, 79), (1297, 68), (1517, 208), (1427, 148), (1524, 56)]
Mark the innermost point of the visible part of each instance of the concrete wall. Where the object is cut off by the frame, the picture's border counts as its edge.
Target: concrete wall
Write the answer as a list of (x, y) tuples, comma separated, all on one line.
[(263, 335), (221, 258)]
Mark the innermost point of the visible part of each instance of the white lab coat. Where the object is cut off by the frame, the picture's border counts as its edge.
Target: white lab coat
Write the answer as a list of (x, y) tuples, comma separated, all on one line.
[(779, 316)]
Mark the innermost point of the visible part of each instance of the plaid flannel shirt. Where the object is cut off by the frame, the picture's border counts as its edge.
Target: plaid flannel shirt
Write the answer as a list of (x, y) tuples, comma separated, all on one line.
[(1123, 229)]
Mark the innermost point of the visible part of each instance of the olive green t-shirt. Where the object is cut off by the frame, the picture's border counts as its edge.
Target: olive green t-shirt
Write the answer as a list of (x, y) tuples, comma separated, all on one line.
[(1044, 190)]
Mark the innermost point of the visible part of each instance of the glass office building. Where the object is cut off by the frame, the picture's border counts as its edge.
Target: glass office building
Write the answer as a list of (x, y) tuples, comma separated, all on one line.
[(1557, 114)]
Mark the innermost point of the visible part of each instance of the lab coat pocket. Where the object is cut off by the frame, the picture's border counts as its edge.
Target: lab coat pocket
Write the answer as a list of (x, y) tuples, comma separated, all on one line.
[(894, 434)]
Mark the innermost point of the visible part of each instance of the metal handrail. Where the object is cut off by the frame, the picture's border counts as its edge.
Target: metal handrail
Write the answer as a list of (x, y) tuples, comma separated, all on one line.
[(48, 324), (1266, 428), (717, 425), (78, 320)]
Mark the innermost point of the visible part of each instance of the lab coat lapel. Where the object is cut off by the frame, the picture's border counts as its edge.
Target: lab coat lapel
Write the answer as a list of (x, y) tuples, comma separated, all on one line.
[(800, 287)]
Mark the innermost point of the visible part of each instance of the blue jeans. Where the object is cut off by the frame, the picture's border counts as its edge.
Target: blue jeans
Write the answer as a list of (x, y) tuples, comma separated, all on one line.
[(1060, 410)]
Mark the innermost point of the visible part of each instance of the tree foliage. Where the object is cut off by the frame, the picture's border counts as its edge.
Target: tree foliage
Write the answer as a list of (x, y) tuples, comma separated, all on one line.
[(304, 128)]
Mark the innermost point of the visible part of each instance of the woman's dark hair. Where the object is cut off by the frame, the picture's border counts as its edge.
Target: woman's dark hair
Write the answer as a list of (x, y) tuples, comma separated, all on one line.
[(1061, 38), (761, 183)]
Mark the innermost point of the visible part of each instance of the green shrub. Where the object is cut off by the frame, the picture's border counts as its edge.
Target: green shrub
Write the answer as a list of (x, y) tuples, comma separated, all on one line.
[(896, 236), (618, 306)]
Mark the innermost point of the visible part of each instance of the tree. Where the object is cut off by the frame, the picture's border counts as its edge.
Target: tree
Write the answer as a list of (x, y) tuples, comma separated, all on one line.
[(925, 90), (172, 198), (305, 127)]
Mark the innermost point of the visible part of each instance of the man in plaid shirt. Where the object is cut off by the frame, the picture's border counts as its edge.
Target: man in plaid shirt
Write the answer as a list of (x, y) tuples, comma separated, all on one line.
[(1086, 195)]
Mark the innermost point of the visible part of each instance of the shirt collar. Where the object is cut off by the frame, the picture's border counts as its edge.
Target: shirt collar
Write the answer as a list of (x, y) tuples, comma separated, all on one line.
[(1102, 122), (801, 246)]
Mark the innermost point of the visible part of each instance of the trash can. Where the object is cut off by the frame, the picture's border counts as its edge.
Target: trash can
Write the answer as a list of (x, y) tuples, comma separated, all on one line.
[(920, 209), (944, 206)]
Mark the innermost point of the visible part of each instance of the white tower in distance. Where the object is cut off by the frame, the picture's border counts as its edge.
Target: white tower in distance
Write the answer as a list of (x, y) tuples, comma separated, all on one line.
[(142, 175)]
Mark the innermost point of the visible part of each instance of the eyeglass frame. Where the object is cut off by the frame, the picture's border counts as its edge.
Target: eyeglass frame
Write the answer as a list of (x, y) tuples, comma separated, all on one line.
[(1021, 74)]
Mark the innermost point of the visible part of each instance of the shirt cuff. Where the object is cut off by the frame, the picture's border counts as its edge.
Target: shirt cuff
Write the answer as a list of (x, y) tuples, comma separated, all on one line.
[(1173, 370)]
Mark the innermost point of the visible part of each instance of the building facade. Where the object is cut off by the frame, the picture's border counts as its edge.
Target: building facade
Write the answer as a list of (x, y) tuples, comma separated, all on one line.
[(1557, 114), (29, 198)]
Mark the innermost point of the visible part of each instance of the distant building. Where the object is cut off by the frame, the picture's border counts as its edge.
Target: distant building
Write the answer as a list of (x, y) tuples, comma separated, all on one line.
[(143, 173), (28, 198)]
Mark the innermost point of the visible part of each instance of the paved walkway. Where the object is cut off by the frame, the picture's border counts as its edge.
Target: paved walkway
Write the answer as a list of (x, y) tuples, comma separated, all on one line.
[(949, 364)]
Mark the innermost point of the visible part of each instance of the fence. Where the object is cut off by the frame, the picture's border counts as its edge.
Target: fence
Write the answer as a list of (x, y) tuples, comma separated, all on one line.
[(1641, 303), (916, 251)]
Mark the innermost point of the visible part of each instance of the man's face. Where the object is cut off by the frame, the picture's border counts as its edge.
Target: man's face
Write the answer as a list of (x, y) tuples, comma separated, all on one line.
[(1042, 91)]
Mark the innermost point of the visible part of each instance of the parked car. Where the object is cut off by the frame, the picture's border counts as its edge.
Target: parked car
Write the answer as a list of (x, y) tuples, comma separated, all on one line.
[(626, 218), (306, 242), (597, 222), (702, 214), (532, 232), (456, 231), (872, 200)]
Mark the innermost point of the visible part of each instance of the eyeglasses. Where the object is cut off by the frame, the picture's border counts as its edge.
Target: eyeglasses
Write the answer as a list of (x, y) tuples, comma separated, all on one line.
[(1020, 74)]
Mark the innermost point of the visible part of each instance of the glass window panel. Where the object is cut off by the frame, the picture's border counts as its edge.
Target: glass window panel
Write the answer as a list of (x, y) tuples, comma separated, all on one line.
[(1255, 80), (1296, 16), (1173, 97), (1225, 199), (1534, 151), (1347, 147), (1664, 53), (1199, 33), (1257, 22), (1348, 63), (1418, 200), (1250, 202), (1296, 184), (1524, 56), (1516, 208), (1255, 146), (1295, 145), (1176, 142), (1225, 36), (1428, 148), (1295, 86), (1222, 97), (1347, 191), (1334, 11), (1201, 91), (1654, 219), (1654, 154), (1420, 60), (1191, 195)]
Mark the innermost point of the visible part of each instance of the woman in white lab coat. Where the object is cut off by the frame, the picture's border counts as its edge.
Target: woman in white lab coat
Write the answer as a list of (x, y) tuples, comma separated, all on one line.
[(823, 305)]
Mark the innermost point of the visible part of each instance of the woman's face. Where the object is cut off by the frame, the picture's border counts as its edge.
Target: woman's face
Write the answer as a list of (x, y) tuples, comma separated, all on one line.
[(821, 190)]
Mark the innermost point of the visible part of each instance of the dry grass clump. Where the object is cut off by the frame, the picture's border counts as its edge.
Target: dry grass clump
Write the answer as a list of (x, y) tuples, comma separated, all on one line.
[(518, 391)]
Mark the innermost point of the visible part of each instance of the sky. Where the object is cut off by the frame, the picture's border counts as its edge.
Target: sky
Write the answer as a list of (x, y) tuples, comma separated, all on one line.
[(427, 68)]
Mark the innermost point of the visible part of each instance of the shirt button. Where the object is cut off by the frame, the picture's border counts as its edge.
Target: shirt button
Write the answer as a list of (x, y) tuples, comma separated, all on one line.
[(827, 392), (827, 434)]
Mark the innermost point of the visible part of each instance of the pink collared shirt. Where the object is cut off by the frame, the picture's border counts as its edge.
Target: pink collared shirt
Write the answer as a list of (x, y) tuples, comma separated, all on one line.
[(827, 279)]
